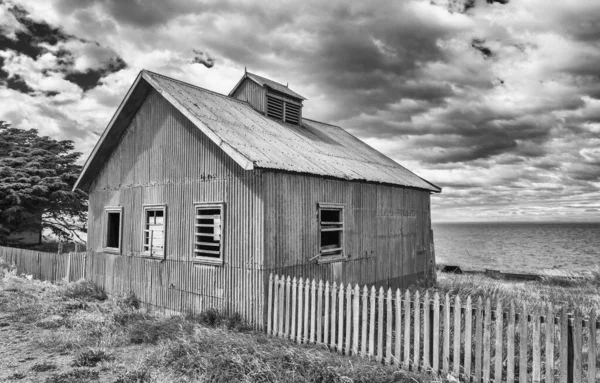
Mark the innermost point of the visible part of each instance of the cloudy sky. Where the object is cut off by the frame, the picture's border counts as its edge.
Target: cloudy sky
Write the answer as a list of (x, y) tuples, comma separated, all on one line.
[(496, 101)]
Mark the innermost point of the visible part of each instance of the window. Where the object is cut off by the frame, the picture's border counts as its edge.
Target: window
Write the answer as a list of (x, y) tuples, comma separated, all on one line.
[(208, 233), (331, 231), (113, 225), (284, 109), (154, 231)]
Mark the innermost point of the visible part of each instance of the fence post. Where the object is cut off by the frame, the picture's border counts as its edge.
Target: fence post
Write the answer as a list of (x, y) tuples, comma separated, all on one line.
[(407, 322), (487, 340), (468, 337), (288, 286), (326, 316), (478, 339), (313, 304), (570, 354), (320, 312), (306, 309), (373, 297), (333, 314), (417, 330), (275, 304), (446, 359)]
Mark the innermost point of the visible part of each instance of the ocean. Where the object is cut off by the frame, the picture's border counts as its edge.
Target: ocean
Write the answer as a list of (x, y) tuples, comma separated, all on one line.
[(518, 247)]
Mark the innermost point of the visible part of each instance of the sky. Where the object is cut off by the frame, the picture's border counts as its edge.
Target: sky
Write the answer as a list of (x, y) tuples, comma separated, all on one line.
[(496, 101)]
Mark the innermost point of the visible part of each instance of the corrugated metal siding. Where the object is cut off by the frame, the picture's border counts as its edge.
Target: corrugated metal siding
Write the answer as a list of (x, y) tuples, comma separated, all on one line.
[(384, 228), (314, 147), (164, 159), (252, 93)]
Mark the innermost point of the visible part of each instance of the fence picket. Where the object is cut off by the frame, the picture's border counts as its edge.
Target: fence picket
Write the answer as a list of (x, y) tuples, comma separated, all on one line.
[(340, 345), (355, 314), (577, 346), (499, 340), (468, 337), (288, 314), (388, 335), (332, 342), (313, 304), (523, 340), (281, 309), (436, 334), (510, 344), (294, 313), (381, 298), (478, 340), (349, 315), (365, 320), (269, 307), (326, 316), (398, 339), (306, 310), (372, 322), (446, 359), (550, 344), (300, 309), (407, 305), (320, 312), (592, 354), (457, 333), (536, 373), (486, 340), (417, 330), (276, 305), (426, 330), (564, 344)]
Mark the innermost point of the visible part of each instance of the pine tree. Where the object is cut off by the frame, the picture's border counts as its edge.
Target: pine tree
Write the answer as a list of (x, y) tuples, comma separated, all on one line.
[(37, 174)]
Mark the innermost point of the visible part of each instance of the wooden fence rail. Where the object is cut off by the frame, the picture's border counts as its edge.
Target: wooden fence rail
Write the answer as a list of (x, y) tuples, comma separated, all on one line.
[(474, 341)]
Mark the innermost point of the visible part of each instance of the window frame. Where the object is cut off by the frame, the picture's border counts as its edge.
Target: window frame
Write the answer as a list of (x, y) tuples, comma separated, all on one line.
[(154, 207), (107, 211), (323, 258), (199, 259)]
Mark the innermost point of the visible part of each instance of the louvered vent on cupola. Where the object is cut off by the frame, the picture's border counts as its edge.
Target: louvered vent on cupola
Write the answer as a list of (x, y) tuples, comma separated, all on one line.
[(271, 98), (284, 109)]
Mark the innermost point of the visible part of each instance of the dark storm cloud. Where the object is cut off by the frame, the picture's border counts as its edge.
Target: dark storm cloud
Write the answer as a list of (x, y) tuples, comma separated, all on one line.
[(37, 38), (91, 78), (203, 58), (28, 41)]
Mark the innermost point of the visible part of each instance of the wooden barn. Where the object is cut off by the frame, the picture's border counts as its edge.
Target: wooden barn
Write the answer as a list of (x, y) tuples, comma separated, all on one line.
[(197, 197)]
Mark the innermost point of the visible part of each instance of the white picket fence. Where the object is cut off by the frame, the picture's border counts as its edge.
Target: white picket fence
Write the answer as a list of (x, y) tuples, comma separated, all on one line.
[(472, 340)]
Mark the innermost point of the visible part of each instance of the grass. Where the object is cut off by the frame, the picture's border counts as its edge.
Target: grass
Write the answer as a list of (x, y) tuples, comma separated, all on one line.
[(562, 289), (83, 336)]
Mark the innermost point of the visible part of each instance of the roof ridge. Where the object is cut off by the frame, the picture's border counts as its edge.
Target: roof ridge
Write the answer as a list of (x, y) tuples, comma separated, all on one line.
[(194, 86), (265, 78)]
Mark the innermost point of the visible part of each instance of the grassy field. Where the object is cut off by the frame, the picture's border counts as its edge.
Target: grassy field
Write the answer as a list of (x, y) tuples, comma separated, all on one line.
[(567, 289), (74, 333)]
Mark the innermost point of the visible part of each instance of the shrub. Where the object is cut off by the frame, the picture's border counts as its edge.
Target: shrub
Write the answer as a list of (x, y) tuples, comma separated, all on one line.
[(73, 376), (86, 290), (131, 300), (44, 366), (90, 358), (134, 376), (214, 318), (151, 331)]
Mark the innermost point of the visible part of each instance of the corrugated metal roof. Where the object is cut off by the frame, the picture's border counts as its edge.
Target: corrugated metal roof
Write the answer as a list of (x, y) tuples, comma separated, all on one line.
[(256, 141), (274, 85)]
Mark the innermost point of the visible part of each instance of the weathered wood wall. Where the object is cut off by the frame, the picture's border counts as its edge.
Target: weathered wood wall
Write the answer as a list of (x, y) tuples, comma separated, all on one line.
[(163, 158), (387, 230), (253, 93)]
